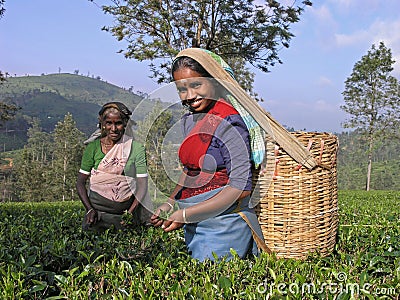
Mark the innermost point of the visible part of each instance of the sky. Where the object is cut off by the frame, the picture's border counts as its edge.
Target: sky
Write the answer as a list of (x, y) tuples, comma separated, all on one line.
[(305, 92)]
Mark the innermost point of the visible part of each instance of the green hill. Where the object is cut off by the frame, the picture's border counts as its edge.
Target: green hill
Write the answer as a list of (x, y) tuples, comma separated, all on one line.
[(51, 97), (72, 87)]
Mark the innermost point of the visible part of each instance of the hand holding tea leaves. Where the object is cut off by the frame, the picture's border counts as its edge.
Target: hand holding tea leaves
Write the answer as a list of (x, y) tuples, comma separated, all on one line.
[(127, 218), (162, 213)]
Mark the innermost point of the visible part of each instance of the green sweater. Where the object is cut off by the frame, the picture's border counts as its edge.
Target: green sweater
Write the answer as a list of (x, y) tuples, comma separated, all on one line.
[(135, 167)]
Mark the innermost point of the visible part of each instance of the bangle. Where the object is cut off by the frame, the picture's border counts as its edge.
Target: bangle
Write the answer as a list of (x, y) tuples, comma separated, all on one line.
[(184, 215), (89, 211), (170, 204)]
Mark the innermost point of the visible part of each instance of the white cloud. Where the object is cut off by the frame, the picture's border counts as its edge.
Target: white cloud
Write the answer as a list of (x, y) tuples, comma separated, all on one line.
[(343, 4), (322, 14), (323, 18), (322, 26), (343, 40), (356, 5), (324, 81), (379, 31), (387, 31), (323, 106), (343, 23)]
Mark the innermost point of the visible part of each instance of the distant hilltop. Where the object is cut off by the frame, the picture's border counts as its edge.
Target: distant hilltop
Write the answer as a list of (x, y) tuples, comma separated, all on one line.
[(51, 97), (71, 86)]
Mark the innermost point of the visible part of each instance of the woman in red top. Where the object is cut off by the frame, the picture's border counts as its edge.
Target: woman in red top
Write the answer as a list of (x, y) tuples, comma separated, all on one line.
[(214, 189)]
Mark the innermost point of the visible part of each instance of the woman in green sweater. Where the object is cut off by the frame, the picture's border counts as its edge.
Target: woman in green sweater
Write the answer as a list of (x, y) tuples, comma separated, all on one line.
[(116, 167)]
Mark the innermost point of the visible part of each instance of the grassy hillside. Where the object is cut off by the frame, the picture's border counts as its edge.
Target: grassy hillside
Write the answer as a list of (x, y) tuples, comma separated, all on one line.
[(51, 97), (72, 87)]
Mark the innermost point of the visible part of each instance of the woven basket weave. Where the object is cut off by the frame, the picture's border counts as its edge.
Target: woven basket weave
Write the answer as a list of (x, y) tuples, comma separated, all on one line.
[(297, 208)]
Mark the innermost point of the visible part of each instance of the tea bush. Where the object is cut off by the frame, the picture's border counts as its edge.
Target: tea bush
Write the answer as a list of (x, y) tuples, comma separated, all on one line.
[(44, 254)]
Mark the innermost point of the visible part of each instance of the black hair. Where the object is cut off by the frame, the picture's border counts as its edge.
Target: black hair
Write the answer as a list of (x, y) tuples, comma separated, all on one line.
[(182, 62), (114, 107), (118, 105), (188, 62)]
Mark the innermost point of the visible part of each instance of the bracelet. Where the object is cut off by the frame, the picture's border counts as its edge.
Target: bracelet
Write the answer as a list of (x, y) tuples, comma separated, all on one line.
[(170, 205), (184, 215), (89, 211)]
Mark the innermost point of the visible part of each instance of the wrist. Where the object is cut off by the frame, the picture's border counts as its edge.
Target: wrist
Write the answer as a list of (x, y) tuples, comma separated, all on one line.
[(170, 205), (90, 210)]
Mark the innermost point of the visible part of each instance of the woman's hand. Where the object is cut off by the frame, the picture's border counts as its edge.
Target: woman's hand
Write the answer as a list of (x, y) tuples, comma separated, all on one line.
[(157, 219), (175, 221), (134, 205), (91, 217)]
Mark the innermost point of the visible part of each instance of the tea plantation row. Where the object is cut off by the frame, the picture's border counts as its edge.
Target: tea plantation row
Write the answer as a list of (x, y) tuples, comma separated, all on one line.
[(45, 255)]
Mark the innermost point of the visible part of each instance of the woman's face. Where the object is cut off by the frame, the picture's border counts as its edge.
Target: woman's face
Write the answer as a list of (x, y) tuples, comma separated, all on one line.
[(197, 91), (113, 126)]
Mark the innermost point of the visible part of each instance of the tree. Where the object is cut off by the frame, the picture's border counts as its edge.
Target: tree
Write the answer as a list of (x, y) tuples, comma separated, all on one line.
[(3, 77), (2, 9), (372, 99), (68, 148), (32, 167), (238, 30), (47, 167), (7, 111)]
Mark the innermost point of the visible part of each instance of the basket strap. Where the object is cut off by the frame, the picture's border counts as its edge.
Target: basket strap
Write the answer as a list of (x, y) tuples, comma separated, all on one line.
[(286, 140), (260, 243)]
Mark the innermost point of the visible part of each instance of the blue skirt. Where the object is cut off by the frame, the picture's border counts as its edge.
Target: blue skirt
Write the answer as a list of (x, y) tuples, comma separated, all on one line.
[(222, 233)]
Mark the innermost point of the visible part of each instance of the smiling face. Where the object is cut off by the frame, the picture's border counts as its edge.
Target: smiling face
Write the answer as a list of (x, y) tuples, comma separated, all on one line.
[(194, 90), (113, 126)]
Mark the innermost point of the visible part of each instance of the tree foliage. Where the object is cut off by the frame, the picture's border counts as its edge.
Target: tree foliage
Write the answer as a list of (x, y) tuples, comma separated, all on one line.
[(7, 111), (47, 167), (68, 148), (32, 167), (372, 99), (238, 30), (2, 9)]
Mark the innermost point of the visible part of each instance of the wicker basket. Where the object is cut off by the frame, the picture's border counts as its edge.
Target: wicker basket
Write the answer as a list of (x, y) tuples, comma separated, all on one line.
[(297, 207)]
